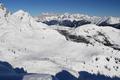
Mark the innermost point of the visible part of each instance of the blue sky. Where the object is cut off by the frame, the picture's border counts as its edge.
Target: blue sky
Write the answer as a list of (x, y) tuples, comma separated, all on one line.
[(90, 7)]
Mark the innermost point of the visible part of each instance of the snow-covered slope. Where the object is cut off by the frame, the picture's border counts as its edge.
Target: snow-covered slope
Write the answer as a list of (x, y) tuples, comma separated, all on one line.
[(39, 77), (76, 20), (38, 48)]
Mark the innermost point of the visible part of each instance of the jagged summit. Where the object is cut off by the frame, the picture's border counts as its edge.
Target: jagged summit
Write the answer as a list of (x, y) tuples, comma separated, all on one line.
[(1, 6), (76, 20), (3, 11)]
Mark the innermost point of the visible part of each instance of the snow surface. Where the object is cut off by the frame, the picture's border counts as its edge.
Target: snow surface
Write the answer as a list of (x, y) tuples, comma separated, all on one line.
[(38, 77), (39, 48)]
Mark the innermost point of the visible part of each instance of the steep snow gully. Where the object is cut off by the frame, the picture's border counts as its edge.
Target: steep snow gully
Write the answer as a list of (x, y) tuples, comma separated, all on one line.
[(32, 50)]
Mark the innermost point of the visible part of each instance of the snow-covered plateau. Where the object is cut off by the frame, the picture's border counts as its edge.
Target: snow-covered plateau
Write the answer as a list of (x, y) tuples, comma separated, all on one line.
[(46, 50)]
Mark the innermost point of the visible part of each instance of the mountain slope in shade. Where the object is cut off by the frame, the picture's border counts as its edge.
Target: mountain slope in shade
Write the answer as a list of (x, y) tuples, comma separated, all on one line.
[(39, 48)]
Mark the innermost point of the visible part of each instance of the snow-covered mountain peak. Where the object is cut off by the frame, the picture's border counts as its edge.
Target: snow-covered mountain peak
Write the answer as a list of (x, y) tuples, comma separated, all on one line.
[(24, 21), (113, 20), (1, 6), (76, 20), (3, 11), (22, 15)]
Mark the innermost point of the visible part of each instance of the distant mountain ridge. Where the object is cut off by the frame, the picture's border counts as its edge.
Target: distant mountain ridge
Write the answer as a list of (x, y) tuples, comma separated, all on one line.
[(76, 20)]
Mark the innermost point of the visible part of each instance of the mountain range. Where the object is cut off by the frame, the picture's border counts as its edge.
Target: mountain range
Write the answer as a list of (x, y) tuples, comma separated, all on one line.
[(38, 47), (76, 20)]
